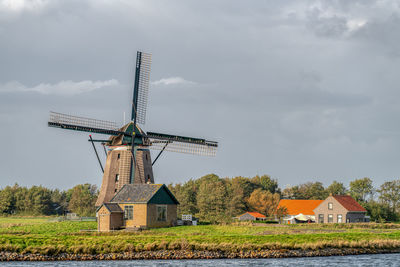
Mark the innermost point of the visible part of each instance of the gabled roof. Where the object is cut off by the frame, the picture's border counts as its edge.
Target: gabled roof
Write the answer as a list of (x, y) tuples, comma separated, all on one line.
[(297, 206), (254, 214), (141, 193), (349, 203), (111, 207)]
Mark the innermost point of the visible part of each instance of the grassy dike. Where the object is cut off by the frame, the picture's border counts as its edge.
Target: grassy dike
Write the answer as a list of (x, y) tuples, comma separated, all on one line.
[(41, 239)]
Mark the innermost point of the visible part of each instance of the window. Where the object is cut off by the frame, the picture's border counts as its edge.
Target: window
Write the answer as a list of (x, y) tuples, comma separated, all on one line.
[(330, 206), (330, 218), (119, 156), (320, 218), (117, 177), (162, 213), (128, 212), (339, 218), (147, 159), (148, 177)]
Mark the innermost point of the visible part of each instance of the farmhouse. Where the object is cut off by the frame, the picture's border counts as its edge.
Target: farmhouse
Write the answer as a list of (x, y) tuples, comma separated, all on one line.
[(340, 209), (299, 210), (138, 206), (334, 209), (252, 216)]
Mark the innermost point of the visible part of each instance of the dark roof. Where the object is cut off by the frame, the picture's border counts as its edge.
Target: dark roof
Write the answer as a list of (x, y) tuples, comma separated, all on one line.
[(349, 203), (112, 207), (140, 193)]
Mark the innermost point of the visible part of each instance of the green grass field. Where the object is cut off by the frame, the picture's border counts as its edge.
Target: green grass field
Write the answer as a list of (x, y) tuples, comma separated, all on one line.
[(40, 235)]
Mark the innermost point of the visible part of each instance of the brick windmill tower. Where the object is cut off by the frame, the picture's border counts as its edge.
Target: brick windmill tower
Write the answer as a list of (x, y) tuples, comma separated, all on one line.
[(128, 155)]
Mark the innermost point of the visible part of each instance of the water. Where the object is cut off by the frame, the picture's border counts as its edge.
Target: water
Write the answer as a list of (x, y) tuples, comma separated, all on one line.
[(381, 260)]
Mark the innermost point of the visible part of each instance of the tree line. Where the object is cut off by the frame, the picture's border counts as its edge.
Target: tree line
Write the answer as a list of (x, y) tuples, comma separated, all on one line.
[(211, 198), (39, 200)]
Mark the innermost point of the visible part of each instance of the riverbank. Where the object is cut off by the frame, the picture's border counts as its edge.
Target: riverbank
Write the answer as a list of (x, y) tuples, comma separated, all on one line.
[(41, 239), (188, 254)]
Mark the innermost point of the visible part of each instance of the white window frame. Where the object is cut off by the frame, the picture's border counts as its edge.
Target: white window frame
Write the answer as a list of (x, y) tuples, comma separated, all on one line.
[(330, 218), (330, 206), (341, 218), (126, 217)]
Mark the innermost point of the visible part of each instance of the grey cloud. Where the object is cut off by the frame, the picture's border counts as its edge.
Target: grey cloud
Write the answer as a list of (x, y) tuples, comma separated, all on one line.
[(172, 81), (60, 88), (289, 84)]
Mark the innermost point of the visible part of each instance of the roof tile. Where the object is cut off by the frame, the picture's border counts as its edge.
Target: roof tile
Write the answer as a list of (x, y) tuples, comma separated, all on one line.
[(349, 203), (297, 206)]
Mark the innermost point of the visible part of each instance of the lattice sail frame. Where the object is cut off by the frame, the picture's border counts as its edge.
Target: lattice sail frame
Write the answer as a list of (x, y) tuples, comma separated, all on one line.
[(61, 118), (143, 86), (207, 149)]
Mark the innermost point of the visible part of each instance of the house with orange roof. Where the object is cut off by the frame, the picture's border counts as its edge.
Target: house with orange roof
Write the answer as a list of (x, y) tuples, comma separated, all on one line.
[(252, 216), (334, 209), (340, 209), (299, 210)]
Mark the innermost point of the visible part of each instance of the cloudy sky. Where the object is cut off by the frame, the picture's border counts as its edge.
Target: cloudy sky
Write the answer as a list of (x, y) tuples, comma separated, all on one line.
[(299, 90)]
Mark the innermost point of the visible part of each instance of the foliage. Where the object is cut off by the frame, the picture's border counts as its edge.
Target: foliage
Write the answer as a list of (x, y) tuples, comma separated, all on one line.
[(390, 194), (380, 212), (266, 183), (361, 189), (83, 199), (264, 201), (336, 188), (215, 199), (310, 190), (209, 198), (38, 200)]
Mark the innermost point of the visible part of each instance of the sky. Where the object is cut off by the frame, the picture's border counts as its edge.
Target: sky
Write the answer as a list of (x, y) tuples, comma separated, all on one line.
[(298, 90)]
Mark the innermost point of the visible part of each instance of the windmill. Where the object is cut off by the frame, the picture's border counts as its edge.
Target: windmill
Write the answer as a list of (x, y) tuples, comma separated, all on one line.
[(128, 157)]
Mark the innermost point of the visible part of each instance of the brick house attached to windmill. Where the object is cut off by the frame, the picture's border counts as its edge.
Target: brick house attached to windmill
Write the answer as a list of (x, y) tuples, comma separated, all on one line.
[(138, 206)]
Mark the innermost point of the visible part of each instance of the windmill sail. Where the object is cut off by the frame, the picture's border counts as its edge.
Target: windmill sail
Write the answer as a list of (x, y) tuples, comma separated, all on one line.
[(70, 122), (141, 90), (182, 144)]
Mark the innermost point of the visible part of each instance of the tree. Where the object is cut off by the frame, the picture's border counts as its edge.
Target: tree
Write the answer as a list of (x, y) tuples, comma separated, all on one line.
[(186, 194), (336, 188), (308, 190), (266, 183), (59, 201), (40, 200), (22, 201), (235, 204), (83, 199), (361, 189), (380, 212), (7, 200), (263, 201), (211, 198), (390, 194)]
